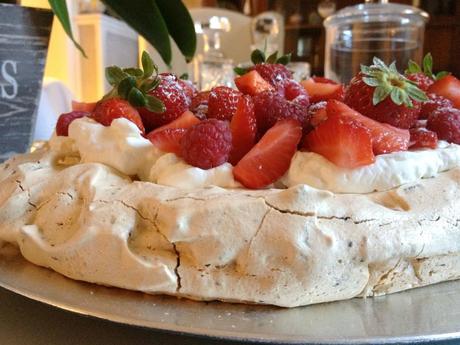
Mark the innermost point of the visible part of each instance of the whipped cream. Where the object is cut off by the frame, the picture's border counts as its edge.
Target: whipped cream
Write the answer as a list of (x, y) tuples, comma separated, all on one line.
[(170, 170), (388, 171)]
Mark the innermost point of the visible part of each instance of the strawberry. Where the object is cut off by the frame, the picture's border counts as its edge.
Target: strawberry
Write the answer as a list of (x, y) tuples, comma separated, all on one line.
[(171, 93), (189, 89), (344, 141), (252, 83), (199, 104), (447, 87), (64, 121), (271, 157), (167, 139), (186, 120), (113, 108), (83, 106), (222, 102), (421, 79), (317, 113), (244, 129), (446, 123), (383, 94), (274, 73), (291, 90), (322, 89), (385, 138), (434, 103), (422, 138)]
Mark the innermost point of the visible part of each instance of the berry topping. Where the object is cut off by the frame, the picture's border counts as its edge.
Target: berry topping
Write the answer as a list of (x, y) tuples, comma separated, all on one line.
[(317, 113), (222, 102), (273, 73), (171, 93), (421, 79), (64, 121), (448, 87), (244, 129), (422, 138), (252, 83), (434, 103), (271, 106), (385, 138), (199, 104), (113, 108), (271, 157), (292, 90), (383, 94), (446, 123), (343, 141), (186, 120), (82, 106), (322, 89), (189, 88), (207, 144), (167, 139)]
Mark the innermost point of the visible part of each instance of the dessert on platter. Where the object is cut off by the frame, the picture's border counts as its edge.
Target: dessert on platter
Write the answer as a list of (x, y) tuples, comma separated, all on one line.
[(276, 192)]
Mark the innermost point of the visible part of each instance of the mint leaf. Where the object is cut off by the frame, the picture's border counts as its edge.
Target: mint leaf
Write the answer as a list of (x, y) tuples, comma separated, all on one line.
[(285, 59), (240, 70), (272, 58), (257, 56)]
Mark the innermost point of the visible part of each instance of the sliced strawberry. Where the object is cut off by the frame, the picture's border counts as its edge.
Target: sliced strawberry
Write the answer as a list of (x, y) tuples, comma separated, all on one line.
[(345, 142), (323, 91), (448, 87), (423, 138), (244, 129), (252, 83), (167, 139), (317, 113), (270, 158), (323, 80), (186, 120), (385, 138), (82, 106), (113, 108)]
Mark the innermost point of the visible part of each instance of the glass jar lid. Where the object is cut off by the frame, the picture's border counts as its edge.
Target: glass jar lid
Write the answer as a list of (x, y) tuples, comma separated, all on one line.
[(378, 12)]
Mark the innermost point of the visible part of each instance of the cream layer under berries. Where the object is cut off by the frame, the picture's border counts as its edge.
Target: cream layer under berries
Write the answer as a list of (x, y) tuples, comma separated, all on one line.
[(377, 133)]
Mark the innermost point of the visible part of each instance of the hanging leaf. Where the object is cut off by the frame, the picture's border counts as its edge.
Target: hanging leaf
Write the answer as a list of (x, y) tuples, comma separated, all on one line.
[(59, 8)]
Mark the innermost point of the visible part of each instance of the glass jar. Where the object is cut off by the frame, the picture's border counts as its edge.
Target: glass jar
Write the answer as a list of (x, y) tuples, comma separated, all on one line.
[(356, 34)]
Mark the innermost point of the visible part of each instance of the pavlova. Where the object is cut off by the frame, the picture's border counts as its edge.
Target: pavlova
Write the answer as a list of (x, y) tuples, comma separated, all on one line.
[(277, 192)]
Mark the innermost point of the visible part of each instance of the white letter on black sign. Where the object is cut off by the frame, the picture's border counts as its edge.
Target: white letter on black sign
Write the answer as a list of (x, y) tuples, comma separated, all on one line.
[(9, 79)]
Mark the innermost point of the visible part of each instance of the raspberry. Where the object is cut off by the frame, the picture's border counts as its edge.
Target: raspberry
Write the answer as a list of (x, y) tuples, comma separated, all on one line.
[(270, 107), (207, 144), (435, 102), (446, 123), (422, 138), (273, 73), (64, 121), (222, 102), (421, 79), (172, 94), (199, 104)]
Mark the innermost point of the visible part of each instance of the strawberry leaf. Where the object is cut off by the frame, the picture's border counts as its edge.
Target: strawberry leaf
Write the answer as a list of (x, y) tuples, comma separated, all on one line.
[(114, 75), (135, 72), (441, 75), (380, 94), (240, 70), (125, 86), (155, 105), (147, 64), (428, 65), (136, 98)]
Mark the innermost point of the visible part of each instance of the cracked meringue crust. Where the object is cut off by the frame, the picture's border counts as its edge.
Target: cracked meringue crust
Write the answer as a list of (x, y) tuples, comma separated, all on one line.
[(286, 247)]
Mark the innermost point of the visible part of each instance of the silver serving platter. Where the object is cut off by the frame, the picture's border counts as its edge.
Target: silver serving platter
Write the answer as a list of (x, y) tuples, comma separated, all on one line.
[(419, 315)]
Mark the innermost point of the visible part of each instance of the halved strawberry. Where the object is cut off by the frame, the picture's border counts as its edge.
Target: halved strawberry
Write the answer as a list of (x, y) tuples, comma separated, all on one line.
[(423, 138), (385, 138), (345, 142), (252, 83), (244, 129), (270, 158), (113, 108), (83, 106), (167, 139), (186, 120), (448, 87), (323, 90)]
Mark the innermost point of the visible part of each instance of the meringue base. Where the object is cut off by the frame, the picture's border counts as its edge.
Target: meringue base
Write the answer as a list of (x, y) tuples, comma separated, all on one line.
[(289, 248)]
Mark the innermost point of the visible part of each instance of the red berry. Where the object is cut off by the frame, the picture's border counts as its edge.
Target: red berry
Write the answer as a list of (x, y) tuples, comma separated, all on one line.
[(359, 96), (113, 108), (207, 144), (422, 138), (421, 79), (446, 123), (173, 96), (345, 142), (448, 87), (186, 120), (167, 139), (322, 89), (189, 89), (293, 90), (222, 102), (434, 103), (271, 157), (317, 113), (83, 106), (244, 129), (273, 73), (271, 106), (64, 121), (199, 104), (385, 138), (252, 83)]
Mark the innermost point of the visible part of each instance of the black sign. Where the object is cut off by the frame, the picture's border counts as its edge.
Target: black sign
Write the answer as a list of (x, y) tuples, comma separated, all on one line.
[(24, 37)]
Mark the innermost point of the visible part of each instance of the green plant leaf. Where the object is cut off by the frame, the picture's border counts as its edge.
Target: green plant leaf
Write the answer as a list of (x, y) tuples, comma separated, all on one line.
[(441, 75), (257, 56), (147, 64), (125, 86), (184, 76), (272, 58), (371, 81), (240, 70), (155, 105), (135, 72), (59, 8), (428, 65), (380, 94), (412, 67), (136, 98), (285, 59), (145, 17), (150, 84), (180, 26), (114, 75)]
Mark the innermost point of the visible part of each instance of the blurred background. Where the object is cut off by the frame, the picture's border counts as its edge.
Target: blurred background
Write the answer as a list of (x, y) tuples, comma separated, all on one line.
[(228, 30)]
